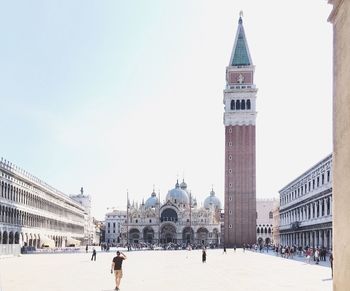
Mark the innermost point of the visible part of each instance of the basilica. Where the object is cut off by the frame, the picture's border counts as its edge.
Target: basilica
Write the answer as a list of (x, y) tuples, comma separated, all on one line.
[(178, 220)]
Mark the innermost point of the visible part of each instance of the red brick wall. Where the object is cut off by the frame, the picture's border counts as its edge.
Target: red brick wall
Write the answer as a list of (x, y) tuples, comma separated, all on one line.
[(248, 77), (243, 189)]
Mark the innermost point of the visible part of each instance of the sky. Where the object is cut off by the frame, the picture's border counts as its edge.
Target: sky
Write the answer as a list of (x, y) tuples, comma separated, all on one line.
[(118, 96)]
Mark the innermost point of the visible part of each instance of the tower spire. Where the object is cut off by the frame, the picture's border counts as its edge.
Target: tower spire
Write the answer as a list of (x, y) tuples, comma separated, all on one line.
[(240, 53)]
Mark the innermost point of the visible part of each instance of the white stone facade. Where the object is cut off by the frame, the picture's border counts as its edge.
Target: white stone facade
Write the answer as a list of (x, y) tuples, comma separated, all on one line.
[(306, 208), (264, 221), (89, 226), (178, 220), (113, 222), (32, 213)]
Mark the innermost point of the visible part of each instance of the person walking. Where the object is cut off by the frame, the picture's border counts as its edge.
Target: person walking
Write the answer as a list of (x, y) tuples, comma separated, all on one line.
[(331, 261), (224, 250), (204, 256), (93, 257), (117, 268), (317, 256), (86, 248)]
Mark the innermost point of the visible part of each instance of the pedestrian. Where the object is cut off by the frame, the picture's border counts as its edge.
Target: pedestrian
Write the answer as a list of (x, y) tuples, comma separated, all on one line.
[(86, 248), (317, 256), (224, 250), (204, 256), (331, 261), (234, 248), (93, 257), (117, 268)]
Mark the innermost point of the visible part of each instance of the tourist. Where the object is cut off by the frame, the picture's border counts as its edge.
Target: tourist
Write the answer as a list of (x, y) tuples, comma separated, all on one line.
[(234, 248), (86, 248), (331, 261), (93, 257), (224, 250), (317, 256), (117, 268), (204, 256)]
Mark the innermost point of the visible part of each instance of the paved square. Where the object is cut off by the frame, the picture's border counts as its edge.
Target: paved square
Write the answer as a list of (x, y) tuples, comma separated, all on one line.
[(163, 270)]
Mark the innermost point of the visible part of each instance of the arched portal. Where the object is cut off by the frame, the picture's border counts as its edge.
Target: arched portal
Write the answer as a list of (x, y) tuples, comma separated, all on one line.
[(11, 238), (168, 234), (134, 235), (4, 238), (17, 237), (216, 236), (202, 235), (267, 241), (260, 241), (148, 234), (187, 235), (168, 214)]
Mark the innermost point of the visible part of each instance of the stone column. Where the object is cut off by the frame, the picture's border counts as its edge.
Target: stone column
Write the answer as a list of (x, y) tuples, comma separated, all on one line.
[(340, 18)]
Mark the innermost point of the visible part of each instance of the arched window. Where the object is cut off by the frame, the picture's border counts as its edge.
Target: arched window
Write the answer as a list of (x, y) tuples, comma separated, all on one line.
[(232, 104), (243, 104), (248, 104), (238, 105), (270, 214)]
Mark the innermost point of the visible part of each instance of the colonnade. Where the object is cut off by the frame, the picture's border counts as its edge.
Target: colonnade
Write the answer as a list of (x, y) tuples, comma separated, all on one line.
[(312, 238), (315, 209)]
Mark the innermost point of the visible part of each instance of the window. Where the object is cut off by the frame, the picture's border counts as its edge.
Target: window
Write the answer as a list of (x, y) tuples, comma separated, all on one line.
[(230, 226), (270, 214), (238, 105), (248, 104), (230, 143), (150, 221), (230, 212), (230, 157), (243, 104), (318, 181), (232, 104), (322, 179), (230, 198), (230, 171), (230, 130), (328, 175)]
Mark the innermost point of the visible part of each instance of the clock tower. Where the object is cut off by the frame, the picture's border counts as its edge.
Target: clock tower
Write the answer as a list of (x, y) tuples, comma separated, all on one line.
[(239, 121)]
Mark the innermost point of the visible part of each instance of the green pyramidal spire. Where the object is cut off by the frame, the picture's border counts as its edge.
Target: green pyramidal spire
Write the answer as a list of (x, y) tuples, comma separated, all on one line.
[(240, 53)]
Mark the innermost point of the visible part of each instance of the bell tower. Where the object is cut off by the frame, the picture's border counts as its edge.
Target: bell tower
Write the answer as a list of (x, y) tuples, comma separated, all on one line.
[(239, 121)]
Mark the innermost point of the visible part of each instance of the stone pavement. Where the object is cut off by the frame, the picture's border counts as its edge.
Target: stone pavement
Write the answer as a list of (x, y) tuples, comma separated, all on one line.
[(163, 270)]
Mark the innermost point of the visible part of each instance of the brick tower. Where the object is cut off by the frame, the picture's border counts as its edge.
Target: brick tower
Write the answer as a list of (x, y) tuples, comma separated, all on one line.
[(239, 121)]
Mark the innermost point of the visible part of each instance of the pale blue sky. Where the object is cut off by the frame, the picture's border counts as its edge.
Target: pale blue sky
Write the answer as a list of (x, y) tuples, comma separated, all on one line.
[(116, 95)]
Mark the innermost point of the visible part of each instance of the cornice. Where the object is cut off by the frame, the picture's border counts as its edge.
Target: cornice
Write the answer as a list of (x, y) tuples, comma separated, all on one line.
[(336, 7)]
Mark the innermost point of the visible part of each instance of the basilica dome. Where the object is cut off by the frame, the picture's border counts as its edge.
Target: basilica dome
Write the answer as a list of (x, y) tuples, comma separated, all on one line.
[(212, 200), (152, 201), (178, 195)]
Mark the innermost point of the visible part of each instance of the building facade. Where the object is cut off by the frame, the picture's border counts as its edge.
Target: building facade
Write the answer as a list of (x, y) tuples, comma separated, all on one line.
[(306, 208), (113, 222), (264, 221), (340, 19), (89, 225), (240, 169), (32, 213), (177, 220), (276, 223)]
